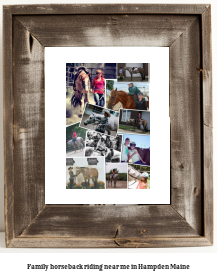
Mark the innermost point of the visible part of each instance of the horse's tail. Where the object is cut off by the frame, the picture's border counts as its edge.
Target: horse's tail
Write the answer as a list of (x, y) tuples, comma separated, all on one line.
[(82, 141)]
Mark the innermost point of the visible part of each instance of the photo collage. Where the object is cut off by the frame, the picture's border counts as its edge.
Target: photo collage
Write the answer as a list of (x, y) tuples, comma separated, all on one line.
[(107, 126)]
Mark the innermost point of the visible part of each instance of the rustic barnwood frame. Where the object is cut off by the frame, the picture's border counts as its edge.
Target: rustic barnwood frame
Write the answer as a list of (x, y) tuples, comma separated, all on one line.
[(186, 30)]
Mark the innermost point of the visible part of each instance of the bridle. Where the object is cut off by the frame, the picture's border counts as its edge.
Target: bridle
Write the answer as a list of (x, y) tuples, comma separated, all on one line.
[(79, 172), (114, 99)]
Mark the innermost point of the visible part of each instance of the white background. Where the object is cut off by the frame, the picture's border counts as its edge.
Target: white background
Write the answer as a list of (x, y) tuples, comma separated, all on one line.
[(55, 111), (203, 263)]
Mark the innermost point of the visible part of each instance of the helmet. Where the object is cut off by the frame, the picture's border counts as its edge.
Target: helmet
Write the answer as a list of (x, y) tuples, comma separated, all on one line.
[(133, 143), (145, 175)]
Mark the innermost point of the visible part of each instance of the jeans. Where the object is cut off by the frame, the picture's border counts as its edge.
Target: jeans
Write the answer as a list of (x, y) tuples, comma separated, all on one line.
[(99, 99)]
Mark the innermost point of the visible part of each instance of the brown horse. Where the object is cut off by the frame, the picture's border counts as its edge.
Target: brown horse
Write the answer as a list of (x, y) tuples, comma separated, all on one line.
[(124, 98), (82, 78), (138, 70), (142, 122)]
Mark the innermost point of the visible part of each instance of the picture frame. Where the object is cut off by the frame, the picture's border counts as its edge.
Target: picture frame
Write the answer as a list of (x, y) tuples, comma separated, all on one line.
[(186, 30)]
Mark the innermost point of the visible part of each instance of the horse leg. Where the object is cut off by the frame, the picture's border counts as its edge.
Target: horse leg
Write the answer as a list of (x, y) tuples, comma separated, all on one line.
[(108, 130), (114, 183), (86, 98)]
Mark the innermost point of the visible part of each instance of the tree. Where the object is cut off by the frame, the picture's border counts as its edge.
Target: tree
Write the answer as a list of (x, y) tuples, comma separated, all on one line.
[(110, 85), (116, 170), (81, 132)]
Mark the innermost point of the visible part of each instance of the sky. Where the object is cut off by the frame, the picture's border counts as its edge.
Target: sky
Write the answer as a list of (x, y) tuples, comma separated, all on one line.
[(142, 141), (122, 167), (82, 162), (124, 87)]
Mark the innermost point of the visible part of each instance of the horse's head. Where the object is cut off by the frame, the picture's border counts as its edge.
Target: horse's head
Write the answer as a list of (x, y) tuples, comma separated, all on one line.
[(112, 99), (78, 171), (90, 120), (83, 75)]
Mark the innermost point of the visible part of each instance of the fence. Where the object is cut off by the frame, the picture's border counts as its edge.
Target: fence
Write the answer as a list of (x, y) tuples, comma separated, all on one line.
[(109, 73)]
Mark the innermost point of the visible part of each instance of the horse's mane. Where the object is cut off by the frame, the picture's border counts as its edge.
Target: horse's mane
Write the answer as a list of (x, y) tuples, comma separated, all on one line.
[(123, 92)]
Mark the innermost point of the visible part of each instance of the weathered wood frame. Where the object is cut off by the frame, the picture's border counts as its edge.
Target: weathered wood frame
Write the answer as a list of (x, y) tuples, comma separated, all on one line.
[(186, 30)]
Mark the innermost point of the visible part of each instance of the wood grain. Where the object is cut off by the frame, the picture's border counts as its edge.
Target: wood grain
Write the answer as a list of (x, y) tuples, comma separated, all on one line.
[(8, 126), (107, 30), (108, 243), (207, 123), (29, 130), (186, 133), (186, 30), (109, 221), (63, 9)]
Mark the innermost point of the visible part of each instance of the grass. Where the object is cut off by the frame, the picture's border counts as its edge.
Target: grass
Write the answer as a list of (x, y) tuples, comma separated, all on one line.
[(148, 187), (125, 127)]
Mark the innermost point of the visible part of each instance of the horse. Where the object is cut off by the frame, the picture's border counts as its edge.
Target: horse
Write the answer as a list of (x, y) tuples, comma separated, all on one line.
[(112, 122), (88, 173), (124, 98), (78, 142), (114, 179), (138, 70), (111, 155), (82, 79), (142, 122)]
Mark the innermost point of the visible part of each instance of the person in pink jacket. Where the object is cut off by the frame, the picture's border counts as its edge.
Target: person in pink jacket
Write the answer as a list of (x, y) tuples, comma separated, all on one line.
[(143, 182)]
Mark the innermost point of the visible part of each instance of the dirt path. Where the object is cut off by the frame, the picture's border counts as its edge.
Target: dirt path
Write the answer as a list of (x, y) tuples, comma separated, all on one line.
[(119, 185), (74, 112), (75, 154)]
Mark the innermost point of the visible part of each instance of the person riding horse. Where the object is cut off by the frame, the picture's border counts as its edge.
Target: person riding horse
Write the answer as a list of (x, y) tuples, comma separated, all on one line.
[(74, 136), (138, 118), (133, 90), (141, 103), (113, 173)]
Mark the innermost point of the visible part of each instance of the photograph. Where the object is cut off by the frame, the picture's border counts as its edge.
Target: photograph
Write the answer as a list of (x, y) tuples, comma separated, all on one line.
[(136, 149), (127, 95), (116, 175), (134, 121), (98, 144), (138, 177), (75, 140), (100, 119), (85, 83), (136, 72), (81, 173)]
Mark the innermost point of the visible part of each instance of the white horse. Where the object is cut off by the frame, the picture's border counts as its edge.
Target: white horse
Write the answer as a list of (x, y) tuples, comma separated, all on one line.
[(114, 179), (78, 142), (112, 122)]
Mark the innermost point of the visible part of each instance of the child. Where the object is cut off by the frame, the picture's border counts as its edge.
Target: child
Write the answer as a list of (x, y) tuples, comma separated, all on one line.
[(124, 153), (143, 182), (74, 136), (134, 155), (121, 73), (71, 178), (113, 173), (103, 122), (141, 103)]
